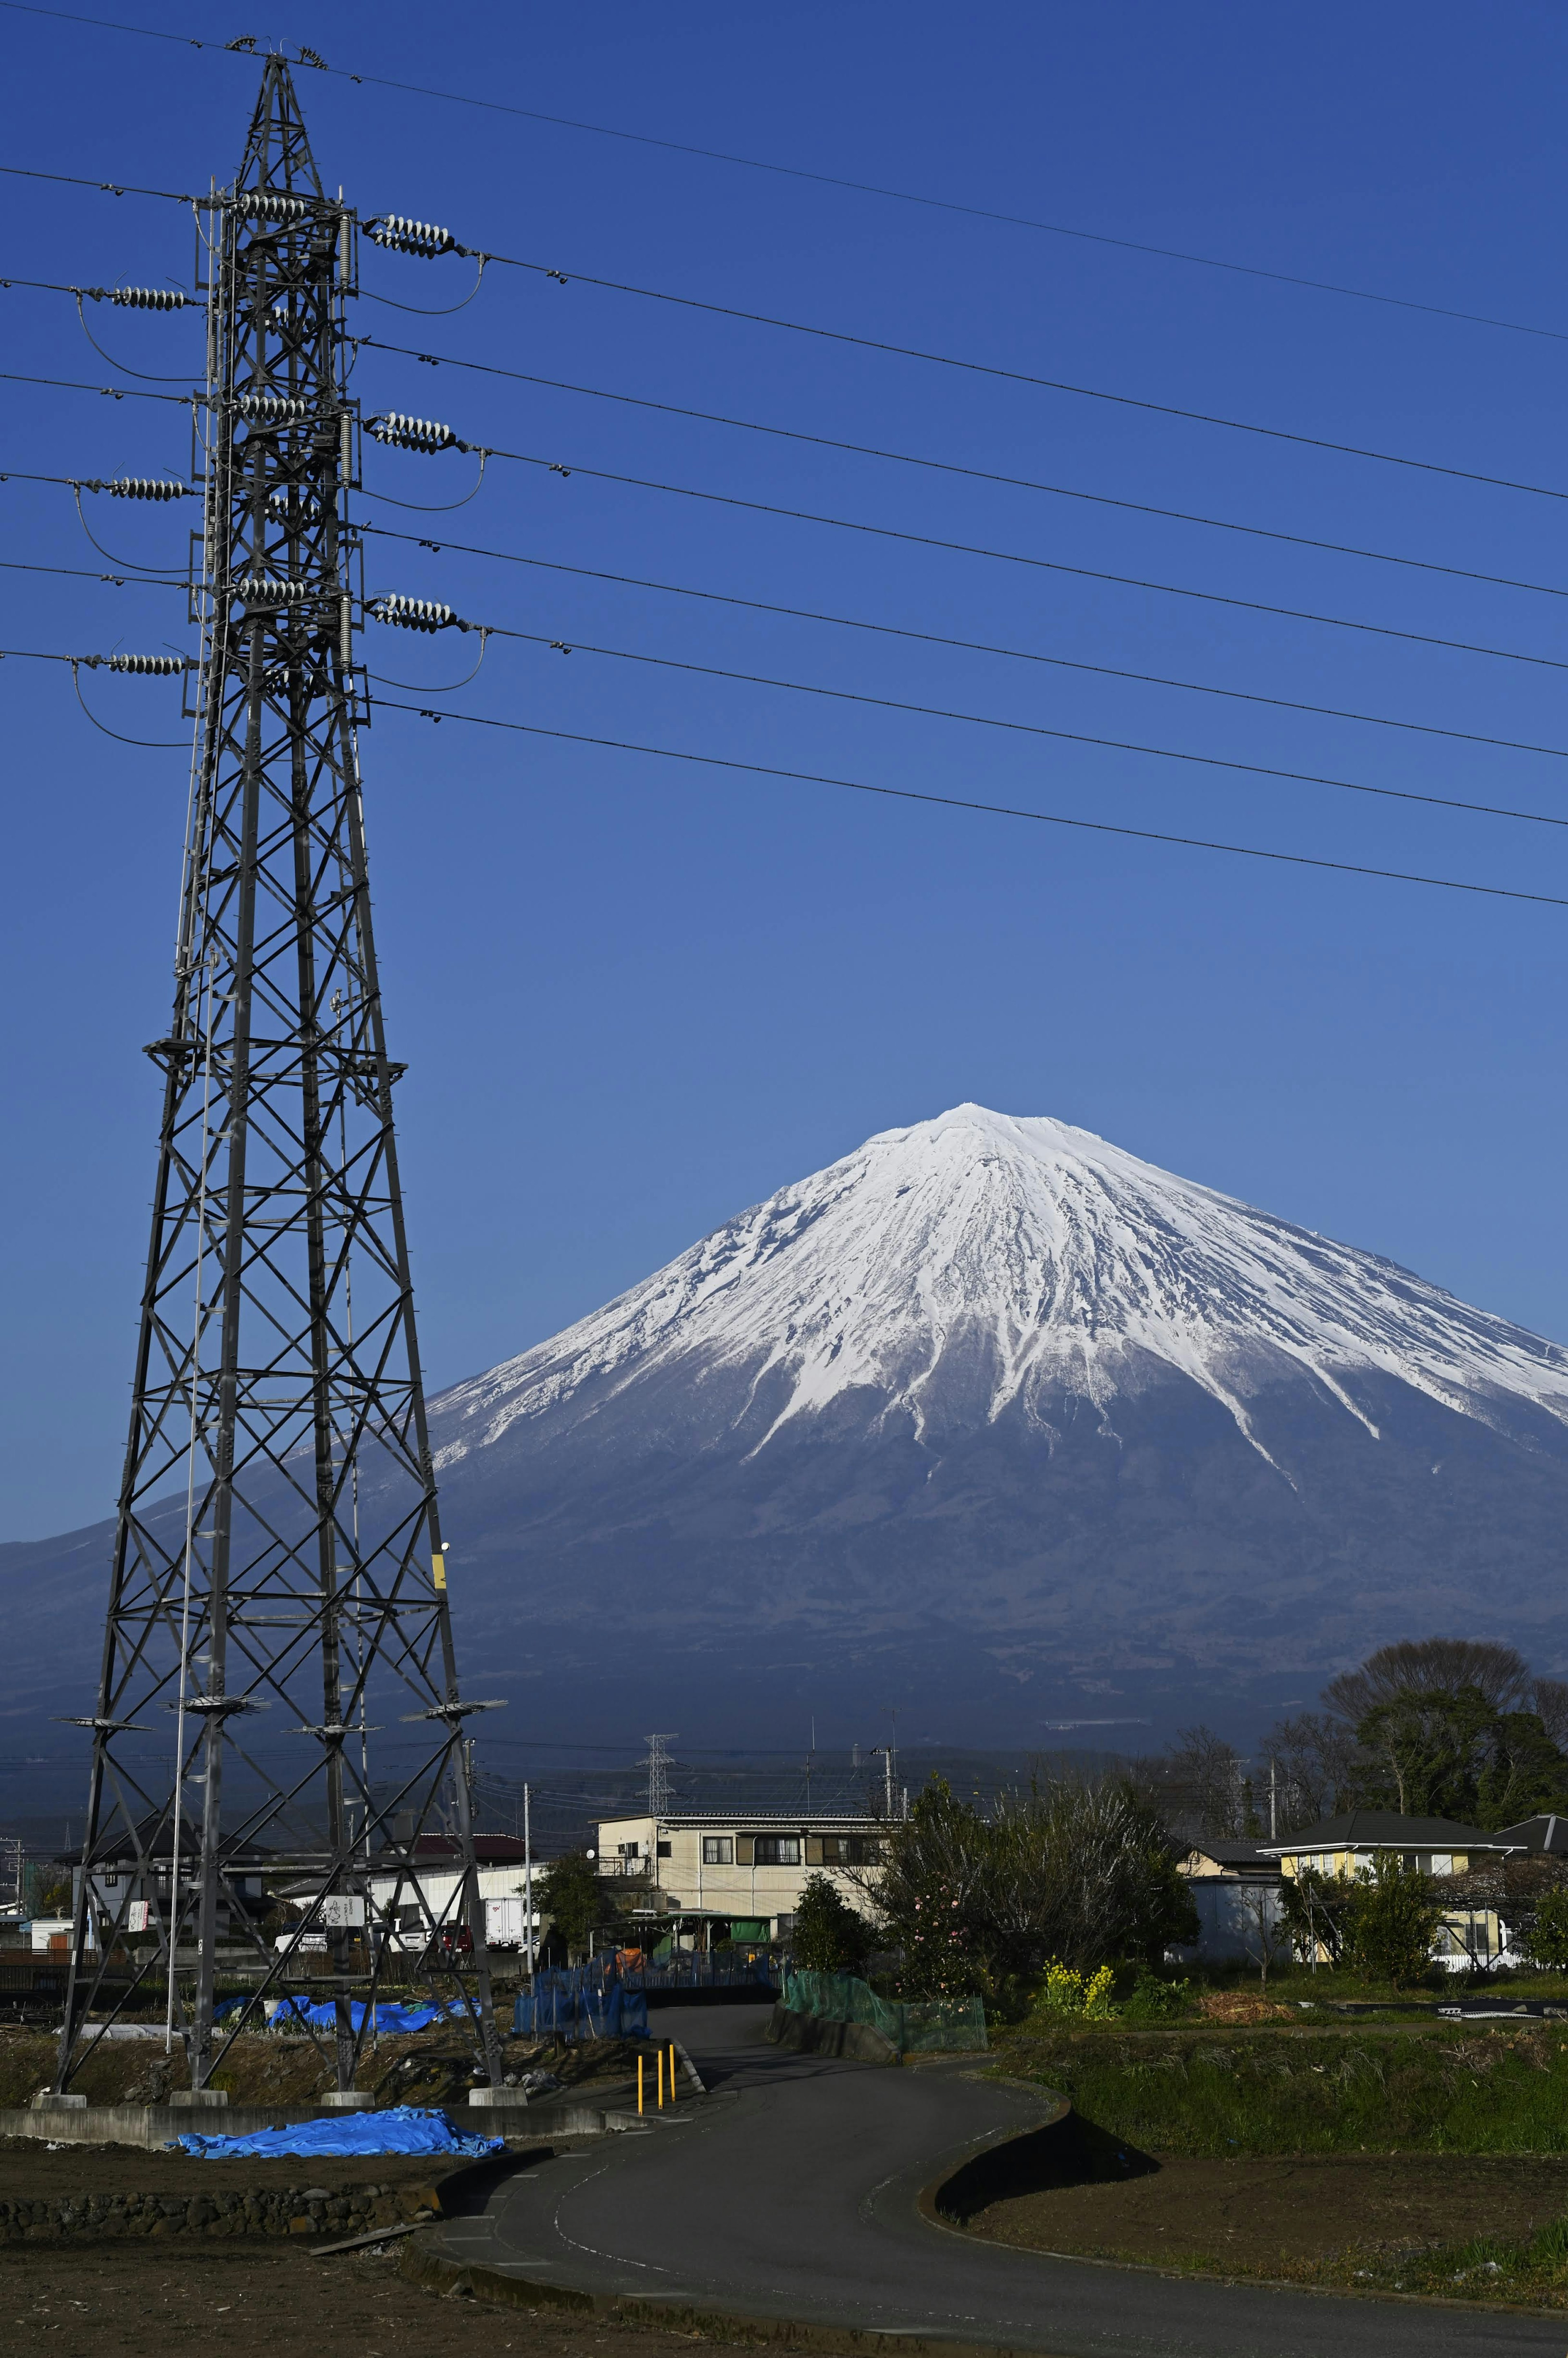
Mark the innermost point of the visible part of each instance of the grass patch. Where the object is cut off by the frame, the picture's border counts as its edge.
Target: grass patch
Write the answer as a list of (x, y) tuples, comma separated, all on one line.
[(1427, 2090), (1529, 2272)]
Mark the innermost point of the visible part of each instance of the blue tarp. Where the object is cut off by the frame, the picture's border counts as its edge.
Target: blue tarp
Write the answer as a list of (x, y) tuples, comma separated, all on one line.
[(387, 2016), (400, 2129), (571, 2005)]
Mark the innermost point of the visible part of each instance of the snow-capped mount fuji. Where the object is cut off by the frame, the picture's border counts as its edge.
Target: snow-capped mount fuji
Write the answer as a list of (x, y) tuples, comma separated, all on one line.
[(949, 1272), (990, 1420), (990, 1400)]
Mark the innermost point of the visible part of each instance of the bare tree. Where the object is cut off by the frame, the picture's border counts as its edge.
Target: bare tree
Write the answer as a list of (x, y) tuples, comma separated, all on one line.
[(1197, 1783), (1318, 1761), (1265, 1936), (1424, 1665), (1550, 1698)]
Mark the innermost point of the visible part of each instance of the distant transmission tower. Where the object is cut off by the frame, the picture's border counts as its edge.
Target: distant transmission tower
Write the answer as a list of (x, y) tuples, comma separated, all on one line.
[(659, 1776), (279, 1585)]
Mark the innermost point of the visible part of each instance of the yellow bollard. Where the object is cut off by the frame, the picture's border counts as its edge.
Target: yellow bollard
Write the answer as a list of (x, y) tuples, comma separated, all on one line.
[(661, 2079), (672, 2072), (639, 2086)]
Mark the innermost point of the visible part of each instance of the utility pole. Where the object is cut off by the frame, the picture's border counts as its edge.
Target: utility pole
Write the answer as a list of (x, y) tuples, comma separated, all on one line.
[(277, 1548), (527, 1885)]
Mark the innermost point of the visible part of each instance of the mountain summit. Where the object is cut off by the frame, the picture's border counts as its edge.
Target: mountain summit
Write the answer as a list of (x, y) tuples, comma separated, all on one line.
[(990, 1421), (948, 1274)]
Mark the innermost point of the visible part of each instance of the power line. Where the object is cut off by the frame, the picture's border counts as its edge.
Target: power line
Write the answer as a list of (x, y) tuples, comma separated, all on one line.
[(911, 459), (1010, 377), (993, 810), (822, 180), (112, 392), (78, 573), (1019, 728), (107, 188), (949, 466), (938, 638), (941, 639), (1011, 557)]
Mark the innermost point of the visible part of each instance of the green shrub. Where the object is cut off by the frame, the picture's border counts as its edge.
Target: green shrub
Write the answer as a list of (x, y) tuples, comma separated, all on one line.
[(1153, 1999), (1390, 1922), (1549, 1933), (829, 1936), (1213, 2093)]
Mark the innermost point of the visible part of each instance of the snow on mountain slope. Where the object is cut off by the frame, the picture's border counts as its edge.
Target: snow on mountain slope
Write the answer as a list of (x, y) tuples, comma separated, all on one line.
[(979, 1261)]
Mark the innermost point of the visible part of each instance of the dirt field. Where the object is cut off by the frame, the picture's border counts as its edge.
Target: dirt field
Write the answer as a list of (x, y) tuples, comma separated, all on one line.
[(270, 2303), (430, 2067), (37, 2172), (1263, 2214)]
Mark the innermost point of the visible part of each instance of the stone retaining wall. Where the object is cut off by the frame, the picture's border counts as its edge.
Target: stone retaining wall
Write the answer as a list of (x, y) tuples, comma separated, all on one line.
[(212, 2211)]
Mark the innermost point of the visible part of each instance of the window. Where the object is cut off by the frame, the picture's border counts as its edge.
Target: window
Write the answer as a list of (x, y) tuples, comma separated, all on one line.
[(111, 1883), (626, 1850), (718, 1850), (778, 1850), (665, 1850), (852, 1850)]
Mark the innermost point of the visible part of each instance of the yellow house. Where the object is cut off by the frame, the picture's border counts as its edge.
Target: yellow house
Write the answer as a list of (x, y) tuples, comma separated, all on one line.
[(1346, 1845)]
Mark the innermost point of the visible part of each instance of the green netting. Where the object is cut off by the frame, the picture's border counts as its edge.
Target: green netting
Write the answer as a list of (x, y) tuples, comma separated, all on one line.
[(925, 2028)]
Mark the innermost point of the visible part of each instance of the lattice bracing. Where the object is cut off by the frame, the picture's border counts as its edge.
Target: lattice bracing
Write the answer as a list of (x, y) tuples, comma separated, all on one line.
[(278, 1612)]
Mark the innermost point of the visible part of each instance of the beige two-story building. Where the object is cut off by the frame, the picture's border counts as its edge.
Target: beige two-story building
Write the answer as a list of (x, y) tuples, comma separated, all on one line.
[(738, 1877)]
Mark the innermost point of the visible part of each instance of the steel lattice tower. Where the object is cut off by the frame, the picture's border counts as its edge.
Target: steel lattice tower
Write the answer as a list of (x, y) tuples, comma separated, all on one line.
[(278, 1592)]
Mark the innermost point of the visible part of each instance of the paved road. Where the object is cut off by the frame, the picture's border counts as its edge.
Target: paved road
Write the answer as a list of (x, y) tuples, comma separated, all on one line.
[(790, 2192)]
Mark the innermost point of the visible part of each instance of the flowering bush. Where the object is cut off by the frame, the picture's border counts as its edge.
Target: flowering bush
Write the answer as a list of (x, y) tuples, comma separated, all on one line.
[(1067, 1992), (1083, 1873)]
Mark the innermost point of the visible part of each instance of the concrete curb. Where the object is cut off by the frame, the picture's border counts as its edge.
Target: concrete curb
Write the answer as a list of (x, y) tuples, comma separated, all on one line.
[(455, 2279), (810, 2034)]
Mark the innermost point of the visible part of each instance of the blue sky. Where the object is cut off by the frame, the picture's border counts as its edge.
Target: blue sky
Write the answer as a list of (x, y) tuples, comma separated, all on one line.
[(635, 996)]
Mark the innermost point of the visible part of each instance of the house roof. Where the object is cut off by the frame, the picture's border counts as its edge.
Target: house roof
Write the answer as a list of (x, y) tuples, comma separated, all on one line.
[(154, 1839), (1546, 1832), (447, 1850), (1388, 1829), (793, 1822), (1235, 1857)]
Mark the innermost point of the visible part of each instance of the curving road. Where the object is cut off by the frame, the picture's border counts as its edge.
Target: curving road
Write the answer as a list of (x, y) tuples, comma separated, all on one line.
[(790, 2192)]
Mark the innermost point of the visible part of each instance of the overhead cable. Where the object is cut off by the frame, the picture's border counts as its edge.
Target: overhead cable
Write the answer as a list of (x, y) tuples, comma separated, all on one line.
[(967, 646), (990, 720), (821, 180), (1012, 557), (111, 392), (78, 573), (152, 488), (973, 474), (78, 180), (1018, 376), (993, 810)]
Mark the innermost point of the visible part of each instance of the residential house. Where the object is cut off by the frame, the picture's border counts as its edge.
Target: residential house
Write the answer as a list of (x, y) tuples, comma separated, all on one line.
[(411, 1898), (734, 1877), (1236, 1888), (130, 1877), (1347, 1846)]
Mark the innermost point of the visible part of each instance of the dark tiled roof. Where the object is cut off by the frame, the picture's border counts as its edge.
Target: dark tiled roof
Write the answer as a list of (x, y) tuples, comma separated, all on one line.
[(1386, 1830), (1237, 1855), (1548, 1831)]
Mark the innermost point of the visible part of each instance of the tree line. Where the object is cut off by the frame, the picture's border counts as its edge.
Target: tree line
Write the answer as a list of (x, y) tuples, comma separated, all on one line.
[(1433, 1728)]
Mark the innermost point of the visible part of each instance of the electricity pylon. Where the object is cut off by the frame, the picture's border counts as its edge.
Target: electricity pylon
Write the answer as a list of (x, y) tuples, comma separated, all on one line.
[(278, 1590)]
